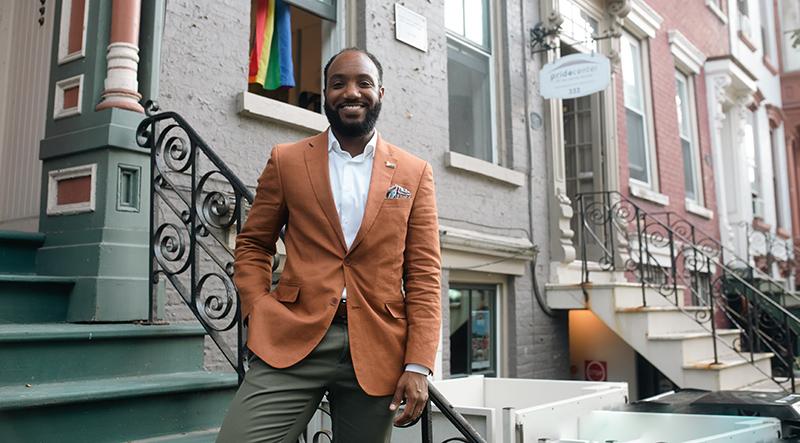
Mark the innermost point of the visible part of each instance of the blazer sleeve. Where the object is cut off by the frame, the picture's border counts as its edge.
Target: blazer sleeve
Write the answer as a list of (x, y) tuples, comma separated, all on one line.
[(256, 243), (422, 276)]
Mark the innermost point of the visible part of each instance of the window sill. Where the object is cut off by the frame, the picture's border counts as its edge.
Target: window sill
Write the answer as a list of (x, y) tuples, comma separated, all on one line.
[(746, 41), (484, 168), (640, 191), (254, 105), (712, 5), (699, 210)]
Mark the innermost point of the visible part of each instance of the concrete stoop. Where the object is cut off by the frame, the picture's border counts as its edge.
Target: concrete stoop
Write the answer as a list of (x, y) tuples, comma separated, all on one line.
[(675, 338)]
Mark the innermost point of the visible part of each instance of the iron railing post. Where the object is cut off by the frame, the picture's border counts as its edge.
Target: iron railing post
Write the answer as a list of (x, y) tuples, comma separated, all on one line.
[(640, 240), (152, 315), (713, 322), (426, 423)]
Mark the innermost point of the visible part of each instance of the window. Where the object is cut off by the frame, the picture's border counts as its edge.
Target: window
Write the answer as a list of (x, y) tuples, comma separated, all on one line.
[(640, 157), (744, 18), (473, 326), (579, 28), (753, 170), (469, 78), (777, 189), (290, 42), (767, 36), (684, 101), (790, 33)]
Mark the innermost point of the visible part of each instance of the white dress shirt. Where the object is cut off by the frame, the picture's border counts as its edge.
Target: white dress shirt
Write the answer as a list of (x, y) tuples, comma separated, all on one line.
[(350, 178)]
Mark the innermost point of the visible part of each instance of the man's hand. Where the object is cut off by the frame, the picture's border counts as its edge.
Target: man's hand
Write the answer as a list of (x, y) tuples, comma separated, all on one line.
[(413, 388)]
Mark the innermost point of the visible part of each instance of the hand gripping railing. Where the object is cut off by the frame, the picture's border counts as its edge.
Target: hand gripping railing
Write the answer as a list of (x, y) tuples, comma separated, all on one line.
[(667, 253), (196, 205)]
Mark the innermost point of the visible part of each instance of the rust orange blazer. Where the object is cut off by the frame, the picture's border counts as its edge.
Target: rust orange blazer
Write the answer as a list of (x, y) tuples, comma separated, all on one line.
[(392, 270)]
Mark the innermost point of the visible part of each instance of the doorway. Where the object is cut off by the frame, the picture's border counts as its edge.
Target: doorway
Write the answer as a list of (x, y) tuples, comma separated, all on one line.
[(583, 158)]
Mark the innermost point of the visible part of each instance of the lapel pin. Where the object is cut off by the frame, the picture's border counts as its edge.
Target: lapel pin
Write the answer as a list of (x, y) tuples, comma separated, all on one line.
[(390, 165)]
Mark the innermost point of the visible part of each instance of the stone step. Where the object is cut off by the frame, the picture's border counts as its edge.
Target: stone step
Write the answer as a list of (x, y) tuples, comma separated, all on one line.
[(729, 373), (694, 346), (204, 436), (86, 351), (18, 251), (34, 298), (115, 409), (668, 319)]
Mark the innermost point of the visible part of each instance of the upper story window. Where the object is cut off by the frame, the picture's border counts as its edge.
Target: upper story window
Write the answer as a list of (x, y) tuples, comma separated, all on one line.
[(579, 27), (637, 110), (790, 34), (687, 131), (290, 40), (753, 167), (767, 32), (470, 85), (743, 10)]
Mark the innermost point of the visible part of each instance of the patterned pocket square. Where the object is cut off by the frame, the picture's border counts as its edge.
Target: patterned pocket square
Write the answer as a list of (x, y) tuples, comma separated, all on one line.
[(397, 191)]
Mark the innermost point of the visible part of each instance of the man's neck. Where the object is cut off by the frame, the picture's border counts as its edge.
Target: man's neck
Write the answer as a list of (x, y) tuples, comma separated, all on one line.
[(353, 145)]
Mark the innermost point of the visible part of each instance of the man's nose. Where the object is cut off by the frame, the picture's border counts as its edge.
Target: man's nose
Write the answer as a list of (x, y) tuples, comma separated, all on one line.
[(351, 90)]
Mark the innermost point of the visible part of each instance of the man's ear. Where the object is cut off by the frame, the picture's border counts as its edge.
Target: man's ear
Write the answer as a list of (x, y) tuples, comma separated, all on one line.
[(381, 92)]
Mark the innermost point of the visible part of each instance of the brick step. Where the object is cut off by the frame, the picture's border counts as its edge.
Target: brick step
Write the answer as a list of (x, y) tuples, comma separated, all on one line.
[(34, 298), (115, 409), (18, 251), (46, 353)]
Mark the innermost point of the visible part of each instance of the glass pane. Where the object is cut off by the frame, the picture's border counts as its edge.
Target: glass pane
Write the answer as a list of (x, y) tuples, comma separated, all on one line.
[(682, 104), (476, 22), (637, 148), (483, 337), (632, 74), (459, 328), (578, 25), (469, 102), (688, 170), (454, 16)]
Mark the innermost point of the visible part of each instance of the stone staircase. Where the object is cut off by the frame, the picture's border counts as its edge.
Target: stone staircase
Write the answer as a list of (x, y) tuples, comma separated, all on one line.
[(66, 382), (676, 339)]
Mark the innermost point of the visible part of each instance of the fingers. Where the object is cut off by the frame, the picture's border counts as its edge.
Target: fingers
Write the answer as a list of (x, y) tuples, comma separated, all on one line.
[(415, 393), (398, 396)]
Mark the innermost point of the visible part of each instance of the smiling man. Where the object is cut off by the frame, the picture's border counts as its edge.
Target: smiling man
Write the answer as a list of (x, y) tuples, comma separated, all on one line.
[(356, 314)]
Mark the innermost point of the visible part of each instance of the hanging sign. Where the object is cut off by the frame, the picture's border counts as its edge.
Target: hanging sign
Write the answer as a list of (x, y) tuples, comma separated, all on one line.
[(575, 75)]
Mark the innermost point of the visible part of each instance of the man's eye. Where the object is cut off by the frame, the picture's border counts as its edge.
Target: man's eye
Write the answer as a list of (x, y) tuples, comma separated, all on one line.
[(366, 84)]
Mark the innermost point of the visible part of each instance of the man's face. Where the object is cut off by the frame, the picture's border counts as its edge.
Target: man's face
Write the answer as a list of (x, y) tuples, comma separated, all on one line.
[(352, 94)]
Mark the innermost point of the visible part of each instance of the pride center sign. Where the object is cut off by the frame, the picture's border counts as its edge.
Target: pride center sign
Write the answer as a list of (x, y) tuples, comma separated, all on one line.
[(575, 75)]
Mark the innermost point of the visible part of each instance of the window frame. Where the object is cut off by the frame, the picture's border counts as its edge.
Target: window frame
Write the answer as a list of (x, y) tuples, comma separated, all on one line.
[(496, 329), (490, 52), (697, 170), (647, 112)]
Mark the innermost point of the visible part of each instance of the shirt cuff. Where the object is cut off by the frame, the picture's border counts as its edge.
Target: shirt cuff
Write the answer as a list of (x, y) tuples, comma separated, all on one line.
[(419, 369)]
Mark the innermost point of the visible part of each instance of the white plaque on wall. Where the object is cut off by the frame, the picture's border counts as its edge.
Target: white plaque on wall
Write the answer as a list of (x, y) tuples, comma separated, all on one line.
[(410, 27), (575, 75)]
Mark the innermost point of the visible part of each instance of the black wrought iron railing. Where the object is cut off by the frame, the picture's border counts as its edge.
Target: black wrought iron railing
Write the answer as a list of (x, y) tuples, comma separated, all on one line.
[(694, 271), (197, 205)]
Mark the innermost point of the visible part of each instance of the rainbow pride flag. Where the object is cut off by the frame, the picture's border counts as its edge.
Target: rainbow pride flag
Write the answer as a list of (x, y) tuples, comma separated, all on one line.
[(271, 57)]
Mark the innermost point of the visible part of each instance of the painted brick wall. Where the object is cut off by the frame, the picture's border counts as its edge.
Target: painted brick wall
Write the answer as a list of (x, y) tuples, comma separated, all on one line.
[(204, 65), (708, 33)]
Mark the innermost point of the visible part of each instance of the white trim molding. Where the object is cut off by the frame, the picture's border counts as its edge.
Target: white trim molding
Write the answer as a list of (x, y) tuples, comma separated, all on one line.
[(477, 251), (712, 5), (643, 20), (276, 111), (640, 190), (475, 165), (64, 32), (687, 57), (57, 175), (697, 209), (59, 111)]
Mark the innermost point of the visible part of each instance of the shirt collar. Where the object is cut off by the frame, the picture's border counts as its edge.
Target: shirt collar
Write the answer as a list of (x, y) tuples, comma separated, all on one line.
[(369, 150)]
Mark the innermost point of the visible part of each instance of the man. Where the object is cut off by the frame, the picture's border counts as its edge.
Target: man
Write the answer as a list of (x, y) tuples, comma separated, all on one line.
[(356, 313)]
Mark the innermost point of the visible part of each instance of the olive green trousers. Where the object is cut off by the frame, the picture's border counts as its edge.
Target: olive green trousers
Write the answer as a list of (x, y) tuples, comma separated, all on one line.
[(275, 405)]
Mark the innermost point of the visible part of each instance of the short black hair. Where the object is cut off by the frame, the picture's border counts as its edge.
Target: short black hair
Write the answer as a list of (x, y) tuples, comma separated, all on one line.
[(354, 49)]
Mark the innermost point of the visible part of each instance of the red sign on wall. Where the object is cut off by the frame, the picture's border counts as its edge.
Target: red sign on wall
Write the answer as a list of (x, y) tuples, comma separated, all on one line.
[(595, 370)]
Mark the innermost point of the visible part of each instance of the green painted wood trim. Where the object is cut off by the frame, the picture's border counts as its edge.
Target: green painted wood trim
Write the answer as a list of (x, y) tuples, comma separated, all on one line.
[(33, 239), (36, 279), (112, 128), (15, 397), (70, 331), (151, 31), (205, 436)]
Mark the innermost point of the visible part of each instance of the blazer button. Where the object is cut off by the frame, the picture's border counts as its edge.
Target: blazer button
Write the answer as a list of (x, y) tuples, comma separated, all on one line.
[(347, 261), (334, 301)]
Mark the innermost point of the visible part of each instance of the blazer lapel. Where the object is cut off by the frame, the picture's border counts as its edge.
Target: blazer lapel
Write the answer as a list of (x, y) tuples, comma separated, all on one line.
[(316, 156), (379, 182)]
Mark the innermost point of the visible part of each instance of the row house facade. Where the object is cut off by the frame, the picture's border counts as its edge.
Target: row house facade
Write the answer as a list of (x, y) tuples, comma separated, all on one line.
[(538, 199)]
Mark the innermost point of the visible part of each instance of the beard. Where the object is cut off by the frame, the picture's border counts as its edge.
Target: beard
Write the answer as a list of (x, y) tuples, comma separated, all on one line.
[(353, 129)]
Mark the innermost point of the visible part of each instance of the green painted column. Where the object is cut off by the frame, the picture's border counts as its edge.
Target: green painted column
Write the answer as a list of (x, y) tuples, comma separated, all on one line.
[(95, 178)]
